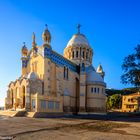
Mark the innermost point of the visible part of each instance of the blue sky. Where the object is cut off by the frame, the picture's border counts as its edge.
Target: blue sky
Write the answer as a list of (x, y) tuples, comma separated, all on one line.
[(111, 26)]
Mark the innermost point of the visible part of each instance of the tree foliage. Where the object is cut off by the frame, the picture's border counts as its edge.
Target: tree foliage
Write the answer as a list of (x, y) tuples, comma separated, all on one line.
[(124, 91), (131, 68), (114, 101)]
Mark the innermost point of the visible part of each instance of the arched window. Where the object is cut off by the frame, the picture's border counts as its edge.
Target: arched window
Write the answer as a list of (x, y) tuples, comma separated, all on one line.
[(92, 90), (76, 53), (83, 54), (98, 90), (95, 90), (73, 54), (64, 72), (67, 73), (42, 88), (86, 55)]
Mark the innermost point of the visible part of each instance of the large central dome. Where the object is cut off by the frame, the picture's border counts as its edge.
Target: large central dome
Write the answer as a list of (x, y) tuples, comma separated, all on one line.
[(77, 40), (78, 50)]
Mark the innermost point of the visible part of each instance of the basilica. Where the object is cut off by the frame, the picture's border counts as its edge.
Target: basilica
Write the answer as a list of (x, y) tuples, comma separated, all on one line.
[(55, 83)]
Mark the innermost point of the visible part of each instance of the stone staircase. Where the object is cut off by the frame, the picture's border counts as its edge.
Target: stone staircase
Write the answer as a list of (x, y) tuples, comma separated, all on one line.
[(30, 114), (13, 113), (20, 114), (8, 113), (23, 113)]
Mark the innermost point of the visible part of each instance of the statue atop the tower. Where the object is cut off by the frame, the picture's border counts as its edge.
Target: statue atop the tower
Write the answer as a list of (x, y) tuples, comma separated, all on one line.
[(46, 36)]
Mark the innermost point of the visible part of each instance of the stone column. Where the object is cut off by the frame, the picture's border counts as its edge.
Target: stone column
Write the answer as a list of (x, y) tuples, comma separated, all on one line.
[(84, 54), (47, 77), (14, 98), (79, 53), (74, 53), (90, 56), (58, 82), (70, 55), (82, 92)]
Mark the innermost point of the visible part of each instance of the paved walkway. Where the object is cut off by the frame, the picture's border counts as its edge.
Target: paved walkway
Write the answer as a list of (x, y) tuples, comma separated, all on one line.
[(23, 128)]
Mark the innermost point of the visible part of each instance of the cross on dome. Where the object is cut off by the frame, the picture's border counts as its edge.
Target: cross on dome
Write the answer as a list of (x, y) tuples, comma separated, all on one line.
[(46, 26), (78, 27)]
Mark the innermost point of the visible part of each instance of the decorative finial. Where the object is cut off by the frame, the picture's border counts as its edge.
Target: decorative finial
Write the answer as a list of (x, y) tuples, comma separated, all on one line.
[(33, 37), (78, 27)]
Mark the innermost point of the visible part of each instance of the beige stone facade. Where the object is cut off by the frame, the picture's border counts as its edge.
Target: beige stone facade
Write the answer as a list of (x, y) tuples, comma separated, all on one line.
[(131, 103), (51, 82)]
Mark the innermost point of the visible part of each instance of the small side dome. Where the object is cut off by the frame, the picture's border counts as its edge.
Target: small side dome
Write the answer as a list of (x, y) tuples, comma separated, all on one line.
[(100, 69), (93, 76), (24, 50), (32, 76), (46, 36)]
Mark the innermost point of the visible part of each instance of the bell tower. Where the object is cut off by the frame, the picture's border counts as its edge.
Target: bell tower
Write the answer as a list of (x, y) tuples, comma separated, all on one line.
[(46, 36)]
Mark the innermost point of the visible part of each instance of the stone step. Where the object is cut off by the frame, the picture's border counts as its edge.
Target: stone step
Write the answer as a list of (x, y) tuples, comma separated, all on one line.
[(8, 113), (30, 114), (44, 114), (20, 114), (13, 113)]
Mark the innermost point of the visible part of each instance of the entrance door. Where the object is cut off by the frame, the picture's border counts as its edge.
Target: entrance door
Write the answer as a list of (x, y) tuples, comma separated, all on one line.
[(33, 105)]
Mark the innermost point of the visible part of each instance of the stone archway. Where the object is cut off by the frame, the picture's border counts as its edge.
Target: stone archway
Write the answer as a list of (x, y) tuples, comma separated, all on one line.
[(23, 95), (12, 98)]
